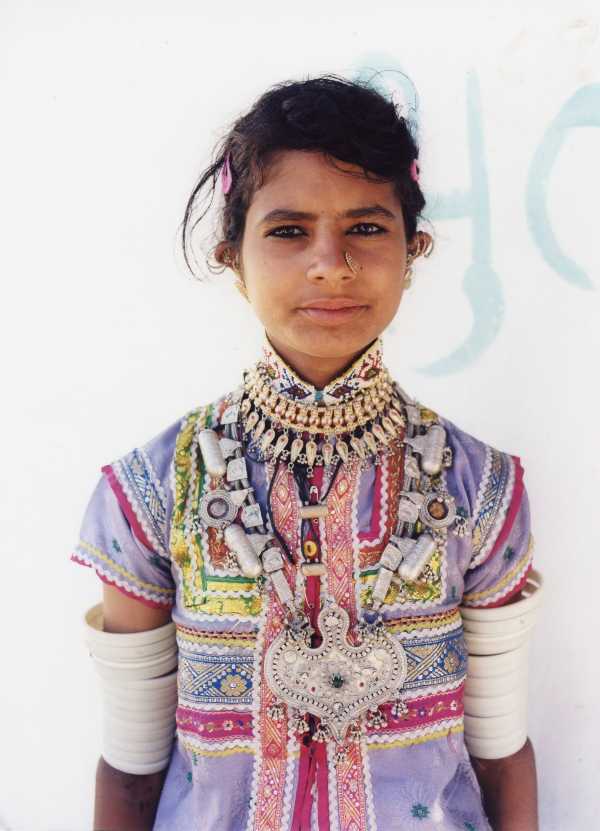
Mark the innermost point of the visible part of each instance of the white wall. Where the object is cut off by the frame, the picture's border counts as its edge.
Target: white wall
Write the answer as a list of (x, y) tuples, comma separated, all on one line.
[(109, 111)]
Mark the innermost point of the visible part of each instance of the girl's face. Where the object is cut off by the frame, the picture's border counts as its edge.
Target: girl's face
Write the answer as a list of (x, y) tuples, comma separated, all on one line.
[(317, 313)]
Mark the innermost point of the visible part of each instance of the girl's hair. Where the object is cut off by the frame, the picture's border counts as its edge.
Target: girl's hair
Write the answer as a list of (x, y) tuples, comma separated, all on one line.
[(346, 120)]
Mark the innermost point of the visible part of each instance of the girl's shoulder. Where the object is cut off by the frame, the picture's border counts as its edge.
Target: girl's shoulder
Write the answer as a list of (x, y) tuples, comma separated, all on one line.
[(152, 460)]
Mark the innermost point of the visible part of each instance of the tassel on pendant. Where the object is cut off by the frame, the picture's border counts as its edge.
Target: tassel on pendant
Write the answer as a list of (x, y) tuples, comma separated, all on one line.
[(327, 451), (370, 442), (296, 449), (342, 449), (260, 429), (280, 444), (311, 452), (380, 433), (267, 439), (251, 422)]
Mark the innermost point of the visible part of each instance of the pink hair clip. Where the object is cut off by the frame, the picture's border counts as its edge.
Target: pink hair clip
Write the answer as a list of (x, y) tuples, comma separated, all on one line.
[(226, 177), (414, 171)]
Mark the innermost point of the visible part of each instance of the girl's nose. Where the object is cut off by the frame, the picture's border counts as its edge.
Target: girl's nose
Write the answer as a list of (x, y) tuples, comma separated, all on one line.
[(327, 262)]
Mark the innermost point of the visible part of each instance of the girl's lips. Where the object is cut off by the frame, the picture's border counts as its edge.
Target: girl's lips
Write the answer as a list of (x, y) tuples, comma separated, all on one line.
[(333, 316)]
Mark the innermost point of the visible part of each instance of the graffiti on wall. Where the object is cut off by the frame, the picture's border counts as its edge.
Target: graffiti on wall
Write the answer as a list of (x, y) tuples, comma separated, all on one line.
[(481, 283)]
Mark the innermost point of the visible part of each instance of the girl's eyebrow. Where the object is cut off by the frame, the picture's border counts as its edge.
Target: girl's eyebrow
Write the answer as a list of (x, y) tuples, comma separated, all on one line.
[(279, 214)]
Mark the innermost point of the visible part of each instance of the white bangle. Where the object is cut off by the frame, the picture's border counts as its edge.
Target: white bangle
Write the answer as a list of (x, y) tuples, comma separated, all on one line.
[(497, 641), (139, 684)]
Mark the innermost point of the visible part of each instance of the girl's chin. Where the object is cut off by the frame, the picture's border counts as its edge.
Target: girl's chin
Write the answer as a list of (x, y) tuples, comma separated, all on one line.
[(323, 343)]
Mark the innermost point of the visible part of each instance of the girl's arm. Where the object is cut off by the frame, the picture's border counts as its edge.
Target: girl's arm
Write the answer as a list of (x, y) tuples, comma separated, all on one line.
[(509, 789), (127, 800)]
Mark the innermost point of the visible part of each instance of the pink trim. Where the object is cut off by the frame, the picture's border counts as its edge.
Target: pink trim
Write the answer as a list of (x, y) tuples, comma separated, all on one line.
[(303, 802), (154, 604), (322, 787), (503, 600), (422, 712), (513, 510), (214, 726), (126, 506)]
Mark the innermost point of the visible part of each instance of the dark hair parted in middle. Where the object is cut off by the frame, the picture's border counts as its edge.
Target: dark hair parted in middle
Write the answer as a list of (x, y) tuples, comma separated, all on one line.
[(348, 121)]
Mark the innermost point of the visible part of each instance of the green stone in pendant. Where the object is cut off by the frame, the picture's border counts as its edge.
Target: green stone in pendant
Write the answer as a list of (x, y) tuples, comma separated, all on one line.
[(337, 681)]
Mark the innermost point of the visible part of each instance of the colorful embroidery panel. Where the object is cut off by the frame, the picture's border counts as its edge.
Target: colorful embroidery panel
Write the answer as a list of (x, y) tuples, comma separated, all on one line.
[(215, 679), (493, 499), (203, 593), (360, 375), (141, 493)]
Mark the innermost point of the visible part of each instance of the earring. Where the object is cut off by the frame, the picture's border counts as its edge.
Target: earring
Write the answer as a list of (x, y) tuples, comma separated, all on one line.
[(351, 263), (421, 246), (231, 262)]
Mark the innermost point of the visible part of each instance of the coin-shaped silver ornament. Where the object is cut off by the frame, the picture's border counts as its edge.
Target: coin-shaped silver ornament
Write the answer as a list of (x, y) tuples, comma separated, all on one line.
[(438, 510), (217, 509)]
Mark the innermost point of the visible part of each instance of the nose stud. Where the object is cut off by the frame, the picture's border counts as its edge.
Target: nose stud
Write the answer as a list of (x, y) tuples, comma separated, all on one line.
[(351, 263)]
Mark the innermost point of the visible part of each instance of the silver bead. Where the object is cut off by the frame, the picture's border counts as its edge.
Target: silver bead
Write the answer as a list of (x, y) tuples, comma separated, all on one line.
[(212, 455), (239, 542)]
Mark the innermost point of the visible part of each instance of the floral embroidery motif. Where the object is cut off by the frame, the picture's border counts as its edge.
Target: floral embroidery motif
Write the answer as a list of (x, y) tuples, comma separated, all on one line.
[(234, 685), (205, 678)]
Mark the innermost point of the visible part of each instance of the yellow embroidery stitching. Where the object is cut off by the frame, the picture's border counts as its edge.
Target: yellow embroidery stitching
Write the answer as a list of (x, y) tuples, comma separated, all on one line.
[(437, 734)]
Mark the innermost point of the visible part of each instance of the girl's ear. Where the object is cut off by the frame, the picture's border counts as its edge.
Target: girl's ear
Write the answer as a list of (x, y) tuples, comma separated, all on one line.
[(226, 255)]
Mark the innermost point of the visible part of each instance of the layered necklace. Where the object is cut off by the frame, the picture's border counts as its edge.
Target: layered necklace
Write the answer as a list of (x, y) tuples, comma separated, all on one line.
[(340, 681), (357, 426)]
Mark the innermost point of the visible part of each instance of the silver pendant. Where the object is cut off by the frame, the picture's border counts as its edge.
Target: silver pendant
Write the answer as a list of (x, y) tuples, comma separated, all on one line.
[(252, 515), (438, 510), (336, 681), (231, 414), (236, 469), (229, 446), (217, 509)]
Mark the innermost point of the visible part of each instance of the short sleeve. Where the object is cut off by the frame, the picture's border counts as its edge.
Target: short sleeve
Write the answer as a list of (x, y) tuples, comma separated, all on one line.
[(502, 543), (124, 533)]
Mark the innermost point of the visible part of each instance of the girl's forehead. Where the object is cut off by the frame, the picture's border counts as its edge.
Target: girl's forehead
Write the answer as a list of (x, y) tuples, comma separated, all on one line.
[(310, 176)]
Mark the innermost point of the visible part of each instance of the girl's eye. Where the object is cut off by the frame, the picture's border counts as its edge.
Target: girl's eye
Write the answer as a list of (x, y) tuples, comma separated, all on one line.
[(276, 231), (371, 225), (367, 229)]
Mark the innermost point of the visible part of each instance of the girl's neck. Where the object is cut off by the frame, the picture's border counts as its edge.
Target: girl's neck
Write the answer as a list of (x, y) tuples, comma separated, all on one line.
[(317, 371)]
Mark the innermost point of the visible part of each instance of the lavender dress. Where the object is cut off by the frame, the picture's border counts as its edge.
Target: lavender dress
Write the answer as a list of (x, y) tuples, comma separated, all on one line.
[(234, 767)]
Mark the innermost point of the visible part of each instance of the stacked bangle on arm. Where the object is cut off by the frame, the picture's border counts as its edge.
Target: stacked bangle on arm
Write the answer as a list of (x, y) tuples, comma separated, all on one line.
[(139, 690), (497, 641)]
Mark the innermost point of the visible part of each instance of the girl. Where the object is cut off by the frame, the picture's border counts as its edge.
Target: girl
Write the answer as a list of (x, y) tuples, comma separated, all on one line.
[(309, 537)]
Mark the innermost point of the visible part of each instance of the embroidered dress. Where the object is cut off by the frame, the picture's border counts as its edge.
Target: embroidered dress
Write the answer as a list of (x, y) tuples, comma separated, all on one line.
[(238, 763)]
